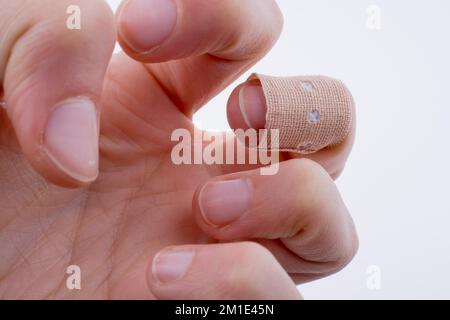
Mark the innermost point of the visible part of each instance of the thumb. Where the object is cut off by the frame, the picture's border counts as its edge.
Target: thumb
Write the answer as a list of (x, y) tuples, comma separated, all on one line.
[(53, 58), (239, 270)]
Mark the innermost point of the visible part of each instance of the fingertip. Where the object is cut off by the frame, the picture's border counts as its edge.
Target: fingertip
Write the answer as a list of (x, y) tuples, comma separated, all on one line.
[(175, 273), (239, 270), (170, 264), (61, 142), (71, 138), (222, 202), (146, 24), (252, 104), (247, 107)]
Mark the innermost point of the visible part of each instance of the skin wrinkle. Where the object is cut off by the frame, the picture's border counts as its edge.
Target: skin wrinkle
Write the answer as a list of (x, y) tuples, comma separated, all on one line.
[(147, 174), (322, 257), (13, 267), (31, 284), (151, 127), (28, 205), (184, 102), (98, 238), (75, 235), (35, 199), (169, 94), (18, 34), (25, 258), (21, 85), (36, 193), (141, 201), (114, 279), (148, 197), (105, 282), (125, 134), (319, 273), (120, 225)]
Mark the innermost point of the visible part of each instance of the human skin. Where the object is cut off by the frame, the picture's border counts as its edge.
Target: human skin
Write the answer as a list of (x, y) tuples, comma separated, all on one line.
[(251, 237)]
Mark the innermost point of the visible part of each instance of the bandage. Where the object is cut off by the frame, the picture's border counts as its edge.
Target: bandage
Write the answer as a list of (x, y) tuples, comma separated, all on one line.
[(310, 112)]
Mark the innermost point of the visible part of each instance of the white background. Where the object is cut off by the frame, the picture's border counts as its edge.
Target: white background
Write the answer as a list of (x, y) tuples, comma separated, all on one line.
[(396, 183)]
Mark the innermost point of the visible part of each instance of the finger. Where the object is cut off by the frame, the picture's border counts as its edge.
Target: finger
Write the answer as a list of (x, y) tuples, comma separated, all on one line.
[(52, 75), (219, 271), (212, 41), (299, 205), (247, 108)]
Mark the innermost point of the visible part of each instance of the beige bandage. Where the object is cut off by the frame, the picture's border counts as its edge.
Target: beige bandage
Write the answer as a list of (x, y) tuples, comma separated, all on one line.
[(310, 112)]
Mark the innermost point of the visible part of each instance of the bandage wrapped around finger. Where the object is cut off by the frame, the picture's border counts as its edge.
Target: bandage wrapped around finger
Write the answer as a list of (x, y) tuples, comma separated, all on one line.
[(310, 112)]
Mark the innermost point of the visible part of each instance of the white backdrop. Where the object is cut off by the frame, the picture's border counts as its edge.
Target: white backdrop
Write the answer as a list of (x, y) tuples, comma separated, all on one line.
[(396, 183)]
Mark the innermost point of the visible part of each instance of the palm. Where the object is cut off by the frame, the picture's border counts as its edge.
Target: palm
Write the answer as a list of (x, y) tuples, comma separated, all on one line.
[(140, 203)]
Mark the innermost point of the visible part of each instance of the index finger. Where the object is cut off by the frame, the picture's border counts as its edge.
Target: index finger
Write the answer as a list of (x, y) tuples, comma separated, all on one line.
[(212, 41)]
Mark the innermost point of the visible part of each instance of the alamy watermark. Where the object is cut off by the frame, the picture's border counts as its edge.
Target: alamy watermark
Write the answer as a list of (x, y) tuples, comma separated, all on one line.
[(373, 281), (73, 22), (373, 21), (249, 146), (73, 281)]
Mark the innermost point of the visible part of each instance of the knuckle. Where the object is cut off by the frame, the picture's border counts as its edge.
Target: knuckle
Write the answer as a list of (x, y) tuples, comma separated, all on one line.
[(52, 21), (44, 27), (98, 14), (41, 38), (307, 169), (277, 17), (351, 249), (346, 250), (307, 183), (268, 34), (259, 37), (345, 257), (240, 279), (328, 233), (251, 251)]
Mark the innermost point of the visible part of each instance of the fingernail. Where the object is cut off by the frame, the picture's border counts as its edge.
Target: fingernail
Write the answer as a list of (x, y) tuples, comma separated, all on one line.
[(223, 202), (145, 24), (71, 138), (171, 265), (252, 103)]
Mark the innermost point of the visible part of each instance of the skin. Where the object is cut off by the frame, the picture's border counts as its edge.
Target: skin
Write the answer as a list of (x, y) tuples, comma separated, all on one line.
[(141, 203)]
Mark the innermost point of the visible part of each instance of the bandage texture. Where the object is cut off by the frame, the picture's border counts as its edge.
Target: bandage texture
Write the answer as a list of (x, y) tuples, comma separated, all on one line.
[(310, 112)]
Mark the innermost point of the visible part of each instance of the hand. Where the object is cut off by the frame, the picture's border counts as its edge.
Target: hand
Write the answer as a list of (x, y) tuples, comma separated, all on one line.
[(138, 225)]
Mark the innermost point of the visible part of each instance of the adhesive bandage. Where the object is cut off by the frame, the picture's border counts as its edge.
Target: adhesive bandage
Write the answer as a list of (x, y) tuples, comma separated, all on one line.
[(310, 112)]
